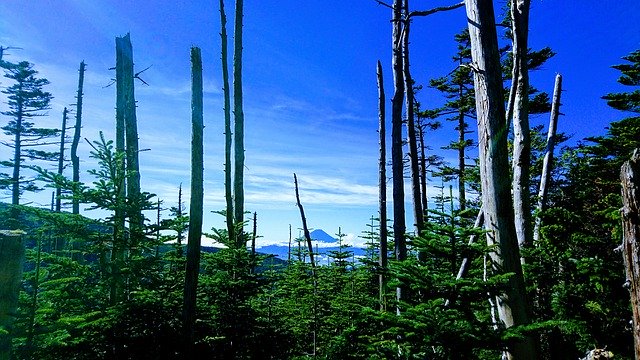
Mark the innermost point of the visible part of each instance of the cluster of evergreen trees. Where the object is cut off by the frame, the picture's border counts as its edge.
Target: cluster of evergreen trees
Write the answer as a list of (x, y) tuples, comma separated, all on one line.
[(123, 287)]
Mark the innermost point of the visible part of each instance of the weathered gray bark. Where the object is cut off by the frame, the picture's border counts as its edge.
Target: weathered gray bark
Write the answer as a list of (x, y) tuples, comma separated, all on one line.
[(17, 154), (547, 162), (629, 176), (11, 264), (61, 158), (238, 112), (305, 229), (382, 188), (496, 195), (521, 134), (416, 197), (462, 129), (75, 160), (228, 194), (196, 204)]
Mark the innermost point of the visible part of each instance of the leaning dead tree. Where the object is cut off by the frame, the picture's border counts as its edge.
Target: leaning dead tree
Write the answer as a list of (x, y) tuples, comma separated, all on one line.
[(305, 228), (547, 162), (496, 199), (630, 178)]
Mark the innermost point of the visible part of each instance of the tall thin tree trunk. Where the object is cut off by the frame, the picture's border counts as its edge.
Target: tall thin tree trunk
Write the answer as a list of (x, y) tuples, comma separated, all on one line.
[(423, 168), (254, 234), (61, 158), (11, 264), (238, 112), (289, 253), (382, 188), (496, 195), (227, 126), (521, 132), (305, 229), (462, 127), (631, 236), (547, 163), (17, 155), (418, 215), (397, 167), (195, 209), (179, 214), (75, 160), (34, 296)]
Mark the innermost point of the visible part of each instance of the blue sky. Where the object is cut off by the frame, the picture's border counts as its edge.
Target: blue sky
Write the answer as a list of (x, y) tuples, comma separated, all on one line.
[(310, 88)]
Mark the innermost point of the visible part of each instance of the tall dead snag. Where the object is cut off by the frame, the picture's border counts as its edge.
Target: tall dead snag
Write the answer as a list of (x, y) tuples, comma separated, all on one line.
[(496, 193), (418, 214), (75, 160), (521, 134), (305, 229), (382, 187), (65, 112), (548, 156), (11, 264), (197, 195), (238, 181), (631, 236), (227, 126)]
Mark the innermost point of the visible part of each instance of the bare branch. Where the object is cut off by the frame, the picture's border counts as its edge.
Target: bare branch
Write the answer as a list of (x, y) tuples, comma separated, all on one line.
[(383, 4), (435, 10)]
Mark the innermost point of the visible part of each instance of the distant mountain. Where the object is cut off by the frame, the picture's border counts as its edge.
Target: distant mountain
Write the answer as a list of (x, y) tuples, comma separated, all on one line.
[(322, 236)]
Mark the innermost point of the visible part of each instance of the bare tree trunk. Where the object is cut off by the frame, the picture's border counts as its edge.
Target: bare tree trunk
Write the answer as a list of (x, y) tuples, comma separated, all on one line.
[(411, 127), (75, 160), (382, 188), (397, 167), (462, 127), (547, 163), (631, 235), (11, 264), (305, 229), (227, 126), (17, 156), (61, 158), (255, 234), (289, 253), (423, 168), (496, 195), (238, 124), (521, 134), (195, 209)]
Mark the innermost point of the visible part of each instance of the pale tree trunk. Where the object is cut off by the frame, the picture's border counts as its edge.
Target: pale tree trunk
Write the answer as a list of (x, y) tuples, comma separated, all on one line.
[(11, 264), (411, 127), (382, 188), (196, 204), (238, 183), (631, 236), (397, 167), (496, 195), (547, 162), (228, 194), (75, 160), (305, 228), (17, 155), (61, 158), (521, 134)]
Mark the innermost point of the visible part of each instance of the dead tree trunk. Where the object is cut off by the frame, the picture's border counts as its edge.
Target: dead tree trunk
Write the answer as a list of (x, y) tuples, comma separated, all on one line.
[(63, 130), (228, 194), (411, 127), (238, 112), (548, 156), (496, 195), (382, 188), (197, 194), (75, 160), (631, 236), (521, 134), (305, 229)]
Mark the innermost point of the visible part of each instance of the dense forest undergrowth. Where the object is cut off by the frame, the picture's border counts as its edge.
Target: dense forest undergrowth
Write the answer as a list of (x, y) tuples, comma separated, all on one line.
[(130, 287)]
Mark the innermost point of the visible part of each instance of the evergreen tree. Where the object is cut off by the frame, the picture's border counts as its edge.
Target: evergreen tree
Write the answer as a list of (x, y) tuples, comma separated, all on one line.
[(27, 100)]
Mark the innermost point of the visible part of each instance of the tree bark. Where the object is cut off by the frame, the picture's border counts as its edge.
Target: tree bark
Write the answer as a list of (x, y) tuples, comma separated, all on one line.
[(547, 162), (305, 229), (75, 160), (228, 194), (496, 195), (631, 235), (61, 158), (521, 134), (382, 188), (11, 264), (238, 183), (411, 127), (197, 194), (17, 154)]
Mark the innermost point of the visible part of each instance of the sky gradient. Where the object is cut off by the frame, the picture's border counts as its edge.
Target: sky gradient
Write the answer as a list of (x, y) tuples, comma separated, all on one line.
[(310, 89)]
